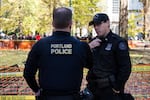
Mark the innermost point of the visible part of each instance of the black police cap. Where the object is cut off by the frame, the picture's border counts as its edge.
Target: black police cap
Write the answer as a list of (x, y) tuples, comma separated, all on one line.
[(98, 19)]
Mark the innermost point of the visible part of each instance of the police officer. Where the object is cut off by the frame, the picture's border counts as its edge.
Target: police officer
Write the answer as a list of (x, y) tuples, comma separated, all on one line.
[(59, 59), (112, 65)]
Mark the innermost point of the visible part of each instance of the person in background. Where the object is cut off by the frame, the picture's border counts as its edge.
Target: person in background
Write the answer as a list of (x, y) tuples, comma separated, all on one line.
[(59, 60), (112, 65), (37, 37)]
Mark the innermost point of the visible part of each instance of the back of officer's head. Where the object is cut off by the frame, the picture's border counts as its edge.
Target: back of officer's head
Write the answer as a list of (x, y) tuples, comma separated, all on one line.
[(62, 17)]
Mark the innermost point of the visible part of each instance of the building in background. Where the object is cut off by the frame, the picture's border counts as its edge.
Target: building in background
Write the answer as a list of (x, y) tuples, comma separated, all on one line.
[(113, 12), (112, 9)]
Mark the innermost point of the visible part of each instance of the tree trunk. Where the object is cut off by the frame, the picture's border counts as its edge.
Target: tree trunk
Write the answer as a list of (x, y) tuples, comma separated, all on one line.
[(144, 16), (0, 15), (123, 19)]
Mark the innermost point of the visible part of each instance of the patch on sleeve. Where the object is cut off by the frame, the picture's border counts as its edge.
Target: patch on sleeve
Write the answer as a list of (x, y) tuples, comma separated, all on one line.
[(122, 46)]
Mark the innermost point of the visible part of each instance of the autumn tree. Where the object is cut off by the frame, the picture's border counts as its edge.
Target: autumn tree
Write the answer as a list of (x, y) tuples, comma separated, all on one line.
[(29, 16), (123, 18)]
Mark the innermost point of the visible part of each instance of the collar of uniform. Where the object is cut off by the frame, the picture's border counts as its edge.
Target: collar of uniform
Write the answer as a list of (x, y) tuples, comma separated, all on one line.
[(61, 33), (108, 36)]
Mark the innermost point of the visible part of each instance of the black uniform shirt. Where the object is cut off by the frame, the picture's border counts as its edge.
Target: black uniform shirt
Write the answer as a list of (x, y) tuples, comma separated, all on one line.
[(60, 59), (112, 58)]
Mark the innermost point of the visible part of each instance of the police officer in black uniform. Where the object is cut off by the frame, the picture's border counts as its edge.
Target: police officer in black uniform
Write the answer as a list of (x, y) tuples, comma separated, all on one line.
[(59, 59), (112, 65)]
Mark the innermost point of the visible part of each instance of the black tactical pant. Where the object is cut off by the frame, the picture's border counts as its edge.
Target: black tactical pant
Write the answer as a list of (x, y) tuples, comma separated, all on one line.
[(105, 94), (58, 96), (102, 90), (108, 94), (67, 97), (55, 95)]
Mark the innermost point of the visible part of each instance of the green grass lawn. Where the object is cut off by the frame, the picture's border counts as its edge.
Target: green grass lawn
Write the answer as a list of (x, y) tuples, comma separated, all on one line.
[(11, 57)]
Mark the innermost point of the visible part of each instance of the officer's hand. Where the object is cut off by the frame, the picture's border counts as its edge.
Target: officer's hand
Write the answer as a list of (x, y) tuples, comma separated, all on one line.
[(37, 93), (116, 91), (94, 43)]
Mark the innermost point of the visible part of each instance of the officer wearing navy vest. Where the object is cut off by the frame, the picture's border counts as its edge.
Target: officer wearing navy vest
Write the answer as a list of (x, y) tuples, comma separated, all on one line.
[(112, 65), (59, 60)]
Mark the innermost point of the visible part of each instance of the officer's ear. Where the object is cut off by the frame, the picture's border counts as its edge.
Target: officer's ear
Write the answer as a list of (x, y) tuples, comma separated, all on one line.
[(108, 23), (70, 24), (53, 23)]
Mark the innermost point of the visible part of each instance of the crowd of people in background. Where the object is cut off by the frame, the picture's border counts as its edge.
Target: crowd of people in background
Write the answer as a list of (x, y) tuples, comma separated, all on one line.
[(16, 36), (37, 36)]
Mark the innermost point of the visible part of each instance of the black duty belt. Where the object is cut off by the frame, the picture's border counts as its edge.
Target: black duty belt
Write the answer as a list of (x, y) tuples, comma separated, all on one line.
[(57, 93), (103, 82)]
